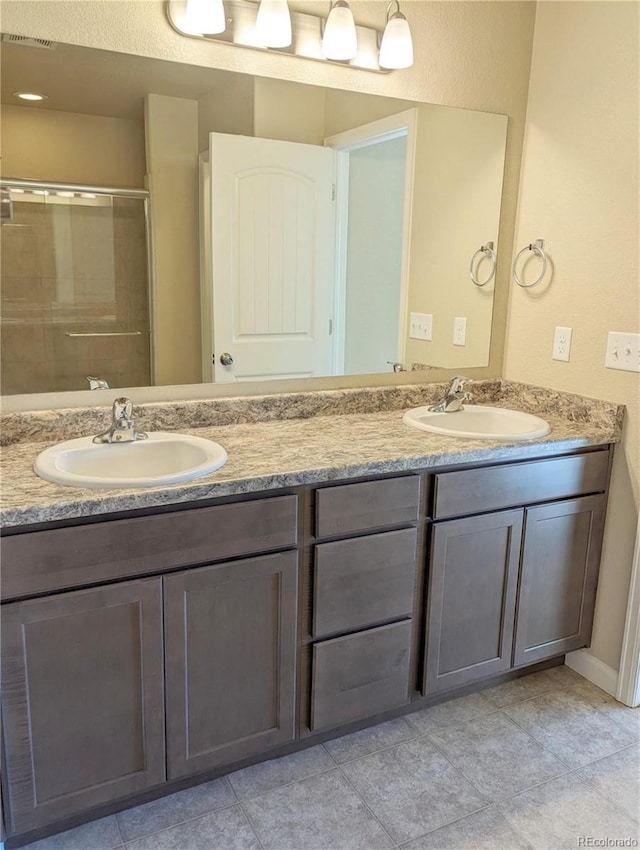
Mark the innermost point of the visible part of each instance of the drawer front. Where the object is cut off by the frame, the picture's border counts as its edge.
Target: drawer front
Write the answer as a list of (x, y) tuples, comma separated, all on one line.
[(87, 554), (371, 504), (364, 581), (360, 675), (479, 490)]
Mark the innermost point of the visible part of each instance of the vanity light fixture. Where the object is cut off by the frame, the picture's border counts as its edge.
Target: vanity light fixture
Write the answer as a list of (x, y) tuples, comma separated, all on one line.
[(29, 95), (274, 25), (204, 17), (396, 49), (340, 40)]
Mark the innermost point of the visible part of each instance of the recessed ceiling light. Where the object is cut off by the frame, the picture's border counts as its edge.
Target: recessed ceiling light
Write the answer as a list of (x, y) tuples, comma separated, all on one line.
[(29, 95)]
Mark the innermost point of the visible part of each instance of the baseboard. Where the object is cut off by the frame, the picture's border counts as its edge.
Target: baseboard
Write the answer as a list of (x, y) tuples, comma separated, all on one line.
[(593, 669)]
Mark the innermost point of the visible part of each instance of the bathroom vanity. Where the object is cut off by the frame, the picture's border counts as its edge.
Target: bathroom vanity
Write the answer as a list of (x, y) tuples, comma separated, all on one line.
[(151, 647)]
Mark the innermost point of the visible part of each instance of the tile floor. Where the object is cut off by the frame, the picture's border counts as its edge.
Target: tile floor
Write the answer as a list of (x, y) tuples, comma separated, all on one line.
[(546, 762)]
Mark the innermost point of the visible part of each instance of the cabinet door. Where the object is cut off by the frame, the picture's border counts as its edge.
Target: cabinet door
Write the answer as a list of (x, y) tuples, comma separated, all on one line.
[(230, 649), (82, 700), (471, 599), (560, 562)]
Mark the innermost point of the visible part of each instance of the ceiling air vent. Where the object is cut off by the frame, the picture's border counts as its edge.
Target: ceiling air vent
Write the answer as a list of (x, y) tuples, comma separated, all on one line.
[(42, 43)]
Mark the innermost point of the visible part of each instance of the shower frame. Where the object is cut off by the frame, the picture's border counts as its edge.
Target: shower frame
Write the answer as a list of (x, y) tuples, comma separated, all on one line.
[(78, 188)]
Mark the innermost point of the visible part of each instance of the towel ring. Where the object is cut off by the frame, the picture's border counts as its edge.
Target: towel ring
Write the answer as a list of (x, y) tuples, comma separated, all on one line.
[(486, 251), (538, 249)]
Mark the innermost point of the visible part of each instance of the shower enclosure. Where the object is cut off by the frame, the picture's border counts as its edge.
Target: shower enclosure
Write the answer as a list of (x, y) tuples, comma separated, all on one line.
[(74, 289)]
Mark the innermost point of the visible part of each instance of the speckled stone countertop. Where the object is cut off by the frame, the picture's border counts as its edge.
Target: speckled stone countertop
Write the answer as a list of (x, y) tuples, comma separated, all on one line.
[(287, 440)]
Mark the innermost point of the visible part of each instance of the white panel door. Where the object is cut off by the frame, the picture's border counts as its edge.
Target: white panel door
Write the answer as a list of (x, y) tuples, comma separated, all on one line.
[(272, 223)]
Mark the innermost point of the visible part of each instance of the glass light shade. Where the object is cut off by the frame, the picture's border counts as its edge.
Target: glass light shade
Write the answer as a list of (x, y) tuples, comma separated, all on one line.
[(273, 24), (204, 17), (396, 50), (340, 40)]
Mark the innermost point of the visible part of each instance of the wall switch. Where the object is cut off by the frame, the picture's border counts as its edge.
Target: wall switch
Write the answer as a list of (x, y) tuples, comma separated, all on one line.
[(623, 352), (562, 344), (460, 330), (421, 326)]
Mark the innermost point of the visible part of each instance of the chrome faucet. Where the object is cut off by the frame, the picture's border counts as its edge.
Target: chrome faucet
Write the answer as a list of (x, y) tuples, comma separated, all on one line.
[(454, 397), (97, 383), (397, 367), (122, 428)]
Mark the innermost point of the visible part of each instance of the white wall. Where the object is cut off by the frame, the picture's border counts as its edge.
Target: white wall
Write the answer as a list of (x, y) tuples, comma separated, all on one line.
[(579, 191)]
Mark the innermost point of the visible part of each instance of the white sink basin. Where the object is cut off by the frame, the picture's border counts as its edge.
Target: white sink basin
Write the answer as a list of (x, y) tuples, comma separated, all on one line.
[(162, 459), (479, 422)]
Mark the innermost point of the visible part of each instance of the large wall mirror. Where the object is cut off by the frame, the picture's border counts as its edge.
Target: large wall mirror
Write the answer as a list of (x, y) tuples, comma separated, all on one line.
[(169, 224)]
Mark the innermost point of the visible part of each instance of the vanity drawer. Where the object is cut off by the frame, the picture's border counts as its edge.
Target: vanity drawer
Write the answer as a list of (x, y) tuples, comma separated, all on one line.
[(41, 561), (363, 581), (370, 504), (479, 490), (360, 675)]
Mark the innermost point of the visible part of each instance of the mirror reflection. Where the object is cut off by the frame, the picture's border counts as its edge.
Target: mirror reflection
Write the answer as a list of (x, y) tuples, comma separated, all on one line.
[(167, 224)]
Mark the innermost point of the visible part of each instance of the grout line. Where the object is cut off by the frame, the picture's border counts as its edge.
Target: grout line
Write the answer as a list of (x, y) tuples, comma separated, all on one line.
[(612, 802), (230, 784), (444, 825), (252, 826), (178, 823), (381, 749), (243, 800), (118, 828), (542, 744), (394, 843)]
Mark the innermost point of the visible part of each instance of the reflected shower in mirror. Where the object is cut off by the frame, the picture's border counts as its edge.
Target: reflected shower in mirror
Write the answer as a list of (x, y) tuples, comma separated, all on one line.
[(409, 193), (74, 298)]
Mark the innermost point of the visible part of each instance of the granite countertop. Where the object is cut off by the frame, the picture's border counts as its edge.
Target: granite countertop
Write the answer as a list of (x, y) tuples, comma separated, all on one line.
[(271, 453)]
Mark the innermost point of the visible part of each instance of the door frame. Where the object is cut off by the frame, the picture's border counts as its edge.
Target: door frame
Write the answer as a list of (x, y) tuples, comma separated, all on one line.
[(628, 690), (385, 129)]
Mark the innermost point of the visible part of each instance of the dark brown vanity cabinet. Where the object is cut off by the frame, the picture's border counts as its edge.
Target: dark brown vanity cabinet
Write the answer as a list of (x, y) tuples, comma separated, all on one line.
[(230, 648), (139, 651), (512, 587), (83, 700), (114, 689)]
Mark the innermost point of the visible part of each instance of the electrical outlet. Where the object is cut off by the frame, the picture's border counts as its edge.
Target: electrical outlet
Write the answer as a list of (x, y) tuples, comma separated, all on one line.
[(460, 330), (562, 344), (421, 326), (623, 352)]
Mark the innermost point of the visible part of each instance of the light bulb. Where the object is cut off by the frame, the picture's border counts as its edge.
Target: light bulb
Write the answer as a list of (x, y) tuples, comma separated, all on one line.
[(273, 24), (29, 95), (396, 49), (204, 17), (340, 40)]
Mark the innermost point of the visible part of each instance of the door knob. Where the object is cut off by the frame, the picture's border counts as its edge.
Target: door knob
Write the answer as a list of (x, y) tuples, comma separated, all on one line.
[(226, 359)]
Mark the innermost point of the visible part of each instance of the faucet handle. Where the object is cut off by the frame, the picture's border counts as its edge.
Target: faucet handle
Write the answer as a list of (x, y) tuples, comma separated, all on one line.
[(122, 412), (458, 383)]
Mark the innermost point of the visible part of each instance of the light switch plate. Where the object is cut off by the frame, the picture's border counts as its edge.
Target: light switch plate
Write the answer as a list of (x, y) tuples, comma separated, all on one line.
[(421, 326), (623, 351), (562, 344), (460, 330)]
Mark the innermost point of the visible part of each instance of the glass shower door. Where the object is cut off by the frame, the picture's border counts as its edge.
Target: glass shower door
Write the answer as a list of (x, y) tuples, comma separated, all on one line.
[(74, 298)]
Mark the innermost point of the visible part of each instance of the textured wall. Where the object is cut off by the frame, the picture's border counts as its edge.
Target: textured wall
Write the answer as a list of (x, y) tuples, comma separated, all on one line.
[(579, 191)]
